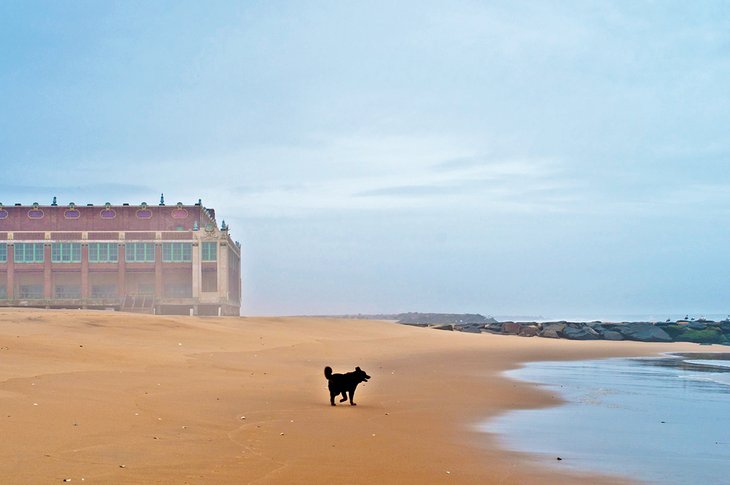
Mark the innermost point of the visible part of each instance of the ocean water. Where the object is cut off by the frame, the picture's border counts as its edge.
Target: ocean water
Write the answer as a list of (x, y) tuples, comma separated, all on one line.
[(657, 420)]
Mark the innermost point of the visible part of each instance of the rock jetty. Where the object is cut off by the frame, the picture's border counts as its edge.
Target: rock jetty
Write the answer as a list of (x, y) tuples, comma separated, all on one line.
[(686, 330), (699, 331)]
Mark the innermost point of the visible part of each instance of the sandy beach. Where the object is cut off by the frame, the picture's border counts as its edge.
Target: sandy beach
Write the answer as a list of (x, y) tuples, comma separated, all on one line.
[(99, 397)]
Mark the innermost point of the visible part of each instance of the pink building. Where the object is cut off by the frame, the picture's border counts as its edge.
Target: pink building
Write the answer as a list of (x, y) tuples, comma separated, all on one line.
[(165, 259)]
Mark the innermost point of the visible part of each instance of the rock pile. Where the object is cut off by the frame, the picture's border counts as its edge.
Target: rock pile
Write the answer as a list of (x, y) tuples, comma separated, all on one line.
[(701, 331)]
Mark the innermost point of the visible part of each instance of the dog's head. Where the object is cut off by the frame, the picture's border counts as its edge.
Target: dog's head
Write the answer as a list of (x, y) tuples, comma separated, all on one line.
[(361, 375)]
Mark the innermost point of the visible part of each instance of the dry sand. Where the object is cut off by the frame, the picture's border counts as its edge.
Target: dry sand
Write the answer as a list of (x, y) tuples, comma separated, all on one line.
[(122, 398)]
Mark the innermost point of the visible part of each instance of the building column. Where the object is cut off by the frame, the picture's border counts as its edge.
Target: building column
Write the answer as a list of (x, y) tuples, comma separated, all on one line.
[(47, 272), (122, 271), (10, 288), (84, 271), (158, 271), (197, 270), (223, 271)]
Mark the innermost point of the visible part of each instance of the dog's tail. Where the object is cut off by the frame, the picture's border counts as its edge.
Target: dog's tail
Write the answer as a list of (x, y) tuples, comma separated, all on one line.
[(328, 372)]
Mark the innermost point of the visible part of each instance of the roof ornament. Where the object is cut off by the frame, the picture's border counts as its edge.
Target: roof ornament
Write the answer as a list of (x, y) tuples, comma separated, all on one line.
[(179, 212), (54, 203), (107, 212), (143, 212), (35, 212), (224, 226), (162, 199), (71, 212)]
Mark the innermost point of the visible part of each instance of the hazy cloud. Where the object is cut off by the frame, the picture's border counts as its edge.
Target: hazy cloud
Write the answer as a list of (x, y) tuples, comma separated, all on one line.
[(81, 194), (515, 157)]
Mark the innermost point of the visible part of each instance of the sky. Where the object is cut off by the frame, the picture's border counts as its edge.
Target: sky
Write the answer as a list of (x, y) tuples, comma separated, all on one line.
[(502, 157)]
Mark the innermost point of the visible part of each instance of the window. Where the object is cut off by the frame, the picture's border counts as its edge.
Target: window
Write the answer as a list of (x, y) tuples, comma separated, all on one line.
[(3, 293), (140, 252), (178, 291), (103, 291), (35, 213), (177, 252), (103, 252), (70, 292), (3, 252), (28, 253), (210, 251), (209, 281), (31, 291), (108, 213), (66, 252)]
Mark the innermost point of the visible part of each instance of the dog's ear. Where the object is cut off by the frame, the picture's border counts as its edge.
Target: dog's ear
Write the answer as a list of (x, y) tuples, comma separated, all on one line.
[(357, 368)]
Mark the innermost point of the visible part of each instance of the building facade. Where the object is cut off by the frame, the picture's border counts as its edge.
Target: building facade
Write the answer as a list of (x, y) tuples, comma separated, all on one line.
[(164, 259)]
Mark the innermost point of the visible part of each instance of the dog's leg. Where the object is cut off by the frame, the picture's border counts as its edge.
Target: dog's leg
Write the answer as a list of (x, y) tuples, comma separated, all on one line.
[(344, 396), (332, 398), (352, 396)]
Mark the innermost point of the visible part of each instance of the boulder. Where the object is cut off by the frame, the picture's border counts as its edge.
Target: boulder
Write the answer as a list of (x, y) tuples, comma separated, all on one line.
[(551, 330), (612, 335), (472, 327), (511, 328), (493, 327), (643, 332), (529, 331), (576, 331), (697, 325), (445, 326), (597, 327)]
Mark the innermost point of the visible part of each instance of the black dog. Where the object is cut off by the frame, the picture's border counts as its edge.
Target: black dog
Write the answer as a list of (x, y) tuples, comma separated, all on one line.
[(344, 383)]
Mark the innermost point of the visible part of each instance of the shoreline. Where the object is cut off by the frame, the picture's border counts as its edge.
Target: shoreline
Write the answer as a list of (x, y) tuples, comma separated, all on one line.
[(243, 400), (613, 398)]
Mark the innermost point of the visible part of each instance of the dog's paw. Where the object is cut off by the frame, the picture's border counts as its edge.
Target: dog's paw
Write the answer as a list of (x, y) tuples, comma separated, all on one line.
[(353, 404)]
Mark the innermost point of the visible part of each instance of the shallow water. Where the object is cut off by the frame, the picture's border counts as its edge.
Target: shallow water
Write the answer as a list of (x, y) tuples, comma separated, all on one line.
[(659, 420)]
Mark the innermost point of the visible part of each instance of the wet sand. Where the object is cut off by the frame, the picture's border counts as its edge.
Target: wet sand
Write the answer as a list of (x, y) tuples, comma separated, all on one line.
[(123, 398), (678, 406)]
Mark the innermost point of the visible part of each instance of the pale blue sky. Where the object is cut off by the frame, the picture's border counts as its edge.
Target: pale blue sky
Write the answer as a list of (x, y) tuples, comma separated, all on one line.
[(544, 158)]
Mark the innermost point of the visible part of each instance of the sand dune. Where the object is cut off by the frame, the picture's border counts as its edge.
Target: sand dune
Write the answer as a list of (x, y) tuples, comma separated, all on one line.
[(122, 398)]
